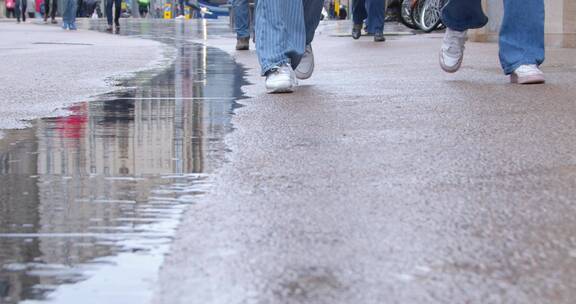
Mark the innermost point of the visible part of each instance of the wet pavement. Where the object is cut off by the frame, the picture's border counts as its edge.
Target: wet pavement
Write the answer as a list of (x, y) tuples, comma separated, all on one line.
[(89, 202), (380, 180), (383, 179)]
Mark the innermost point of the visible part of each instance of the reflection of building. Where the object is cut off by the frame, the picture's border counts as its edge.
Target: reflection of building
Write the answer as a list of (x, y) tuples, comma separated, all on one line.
[(96, 169), (18, 208), (560, 22)]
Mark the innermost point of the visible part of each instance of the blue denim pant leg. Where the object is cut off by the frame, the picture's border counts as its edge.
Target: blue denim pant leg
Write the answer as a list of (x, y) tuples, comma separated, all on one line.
[(69, 14), (359, 13), (241, 18), (522, 34), (283, 29), (372, 11), (376, 13), (461, 15), (113, 16)]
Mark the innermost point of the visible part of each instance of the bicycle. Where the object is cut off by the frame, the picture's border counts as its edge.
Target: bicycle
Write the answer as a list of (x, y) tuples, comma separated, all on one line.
[(422, 14)]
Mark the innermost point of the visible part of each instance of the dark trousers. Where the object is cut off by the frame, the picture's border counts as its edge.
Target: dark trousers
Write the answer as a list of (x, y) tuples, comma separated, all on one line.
[(52, 9), (372, 11), (20, 9), (117, 11)]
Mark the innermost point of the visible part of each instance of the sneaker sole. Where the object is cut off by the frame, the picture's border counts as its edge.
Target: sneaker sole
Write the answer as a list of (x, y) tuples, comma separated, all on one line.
[(282, 89), (448, 69), (534, 79)]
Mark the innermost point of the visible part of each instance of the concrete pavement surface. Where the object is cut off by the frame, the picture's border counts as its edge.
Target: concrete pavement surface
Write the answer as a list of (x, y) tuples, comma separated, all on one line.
[(45, 68), (385, 180)]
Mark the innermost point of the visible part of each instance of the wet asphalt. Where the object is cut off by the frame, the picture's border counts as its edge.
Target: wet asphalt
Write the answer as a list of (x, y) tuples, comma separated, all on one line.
[(90, 201), (385, 180), (381, 180)]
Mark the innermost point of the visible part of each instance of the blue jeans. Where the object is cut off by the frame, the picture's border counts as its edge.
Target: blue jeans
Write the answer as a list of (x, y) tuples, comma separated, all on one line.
[(241, 18), (283, 29), (69, 14), (373, 11), (117, 11), (521, 35), (20, 9)]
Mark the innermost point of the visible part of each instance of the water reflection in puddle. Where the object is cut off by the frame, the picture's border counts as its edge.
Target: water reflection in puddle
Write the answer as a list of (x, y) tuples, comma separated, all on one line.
[(89, 202)]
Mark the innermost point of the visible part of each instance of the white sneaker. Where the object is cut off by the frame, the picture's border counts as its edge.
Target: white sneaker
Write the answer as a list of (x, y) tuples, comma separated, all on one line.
[(305, 68), (452, 51), (281, 79), (527, 74)]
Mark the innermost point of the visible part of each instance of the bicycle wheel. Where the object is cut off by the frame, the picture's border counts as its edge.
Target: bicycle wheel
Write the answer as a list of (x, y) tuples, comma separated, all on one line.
[(417, 12), (430, 15), (406, 14)]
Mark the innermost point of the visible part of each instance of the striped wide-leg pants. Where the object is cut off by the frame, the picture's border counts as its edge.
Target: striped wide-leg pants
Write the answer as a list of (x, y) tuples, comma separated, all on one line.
[(283, 29)]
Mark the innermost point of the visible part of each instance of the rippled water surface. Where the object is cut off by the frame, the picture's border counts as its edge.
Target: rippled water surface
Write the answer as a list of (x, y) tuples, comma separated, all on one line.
[(89, 202)]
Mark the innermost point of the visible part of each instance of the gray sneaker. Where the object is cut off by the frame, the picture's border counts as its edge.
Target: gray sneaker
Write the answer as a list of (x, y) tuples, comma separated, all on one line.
[(452, 52), (305, 68), (281, 79)]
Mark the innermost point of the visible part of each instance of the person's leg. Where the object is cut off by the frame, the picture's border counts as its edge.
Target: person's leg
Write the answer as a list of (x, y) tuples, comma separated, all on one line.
[(53, 10), (24, 6), (109, 11), (66, 14), (46, 9), (459, 16), (117, 12), (462, 15), (359, 13), (312, 16), (72, 7), (241, 18), (17, 10), (304, 65), (375, 9), (522, 34), (280, 33), (358, 16)]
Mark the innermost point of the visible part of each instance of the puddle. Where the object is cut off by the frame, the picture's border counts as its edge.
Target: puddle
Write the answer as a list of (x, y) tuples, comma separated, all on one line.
[(89, 202)]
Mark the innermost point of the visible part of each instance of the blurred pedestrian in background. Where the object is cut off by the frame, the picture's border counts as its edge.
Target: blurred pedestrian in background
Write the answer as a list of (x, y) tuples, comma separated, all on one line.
[(109, 16), (10, 8), (50, 10), (20, 10), (143, 8), (373, 11), (521, 37), (80, 8), (69, 15), (284, 33), (242, 23)]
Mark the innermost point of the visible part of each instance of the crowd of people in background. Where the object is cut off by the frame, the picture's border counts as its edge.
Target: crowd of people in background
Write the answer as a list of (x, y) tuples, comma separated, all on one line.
[(285, 31)]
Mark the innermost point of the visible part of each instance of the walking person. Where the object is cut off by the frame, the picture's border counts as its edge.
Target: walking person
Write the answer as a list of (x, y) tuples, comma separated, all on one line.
[(242, 24), (69, 15), (143, 8), (117, 11), (373, 11), (20, 10), (284, 33), (50, 9), (521, 37), (10, 8)]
